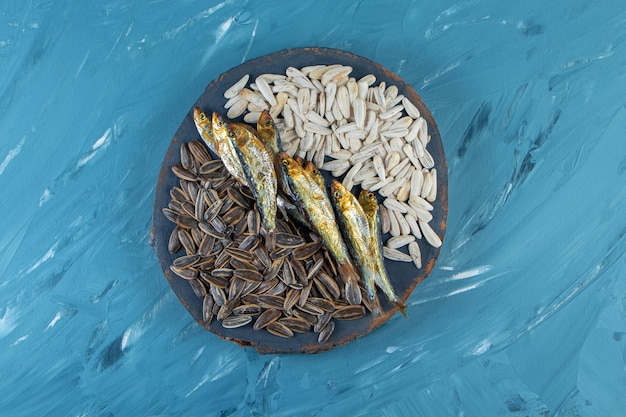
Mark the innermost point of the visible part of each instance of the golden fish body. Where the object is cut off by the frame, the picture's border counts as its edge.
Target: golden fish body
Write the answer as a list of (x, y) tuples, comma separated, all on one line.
[(204, 125), (226, 150), (357, 233), (314, 202), (258, 168), (267, 132), (368, 202)]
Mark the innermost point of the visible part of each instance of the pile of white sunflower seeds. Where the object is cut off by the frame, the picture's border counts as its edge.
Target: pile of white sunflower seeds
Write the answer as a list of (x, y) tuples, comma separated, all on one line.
[(372, 134)]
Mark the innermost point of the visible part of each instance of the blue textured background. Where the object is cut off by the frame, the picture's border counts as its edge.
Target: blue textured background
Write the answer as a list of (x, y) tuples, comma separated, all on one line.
[(524, 314)]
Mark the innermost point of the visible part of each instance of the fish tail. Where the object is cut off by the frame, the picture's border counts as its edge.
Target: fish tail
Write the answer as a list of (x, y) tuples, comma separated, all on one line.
[(402, 308), (351, 278), (372, 303)]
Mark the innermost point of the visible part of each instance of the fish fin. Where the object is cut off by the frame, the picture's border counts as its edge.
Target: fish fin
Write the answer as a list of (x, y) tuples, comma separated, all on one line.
[(270, 240), (351, 277), (402, 308)]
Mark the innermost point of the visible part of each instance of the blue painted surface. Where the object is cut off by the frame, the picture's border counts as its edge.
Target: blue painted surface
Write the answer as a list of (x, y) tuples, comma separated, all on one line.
[(524, 314)]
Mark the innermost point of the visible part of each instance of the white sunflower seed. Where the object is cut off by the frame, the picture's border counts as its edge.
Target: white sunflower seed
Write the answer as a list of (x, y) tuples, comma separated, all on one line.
[(288, 116), (381, 183), (306, 71), (368, 79), (396, 242), (338, 75), (417, 179), (303, 100), (388, 114), (237, 109), (303, 82), (415, 254), (429, 234), (253, 97), (404, 192), (337, 114), (394, 226), (343, 100), (420, 203), (427, 183), (372, 136), (412, 222), (368, 183), (251, 117), (348, 180), (396, 169), (393, 204), (390, 188), (410, 108), (391, 93), (330, 92), (379, 166), (408, 151), (265, 90), (231, 102), (396, 255), (427, 160), (432, 194), (315, 128), (358, 106), (237, 87), (336, 165)]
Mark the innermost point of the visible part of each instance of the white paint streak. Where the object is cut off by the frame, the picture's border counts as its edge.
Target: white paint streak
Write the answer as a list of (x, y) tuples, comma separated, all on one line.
[(47, 256), (219, 34), (200, 383), (20, 340), (252, 37), (8, 321), (470, 273), (101, 143), (264, 375), (12, 154), (483, 347), (45, 196), (193, 20), (54, 321), (431, 78)]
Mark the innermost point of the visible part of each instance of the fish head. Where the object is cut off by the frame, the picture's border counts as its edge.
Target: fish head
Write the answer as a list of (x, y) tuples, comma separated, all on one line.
[(315, 173), (368, 201), (299, 160), (341, 195), (219, 126), (288, 164), (200, 118), (237, 133), (265, 125)]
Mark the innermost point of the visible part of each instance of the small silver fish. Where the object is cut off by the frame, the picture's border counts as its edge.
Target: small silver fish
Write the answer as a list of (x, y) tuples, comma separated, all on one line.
[(357, 234), (258, 168), (368, 202), (319, 212), (226, 150), (204, 125)]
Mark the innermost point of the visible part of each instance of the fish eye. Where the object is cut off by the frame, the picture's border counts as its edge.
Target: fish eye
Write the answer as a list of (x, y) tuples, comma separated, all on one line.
[(337, 194), (268, 122), (315, 171), (285, 162)]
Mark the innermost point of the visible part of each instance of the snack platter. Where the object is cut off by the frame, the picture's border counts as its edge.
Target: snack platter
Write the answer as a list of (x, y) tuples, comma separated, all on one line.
[(300, 275)]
